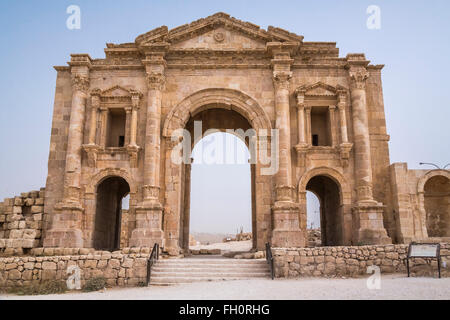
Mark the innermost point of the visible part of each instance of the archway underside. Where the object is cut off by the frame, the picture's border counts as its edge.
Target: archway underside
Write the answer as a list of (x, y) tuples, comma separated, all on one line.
[(328, 192), (221, 119), (108, 213), (437, 206)]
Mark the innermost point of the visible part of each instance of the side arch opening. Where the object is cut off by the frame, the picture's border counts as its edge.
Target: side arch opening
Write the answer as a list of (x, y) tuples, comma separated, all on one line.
[(108, 213)]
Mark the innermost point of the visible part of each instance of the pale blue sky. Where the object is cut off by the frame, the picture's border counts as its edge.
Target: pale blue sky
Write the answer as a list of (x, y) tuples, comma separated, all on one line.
[(413, 42)]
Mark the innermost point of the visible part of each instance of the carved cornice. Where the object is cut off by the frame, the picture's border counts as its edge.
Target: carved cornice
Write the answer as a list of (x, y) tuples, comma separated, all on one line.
[(80, 83)]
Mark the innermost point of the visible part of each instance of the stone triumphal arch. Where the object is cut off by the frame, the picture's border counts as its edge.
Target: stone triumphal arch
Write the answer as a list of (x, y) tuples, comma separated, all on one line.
[(115, 124)]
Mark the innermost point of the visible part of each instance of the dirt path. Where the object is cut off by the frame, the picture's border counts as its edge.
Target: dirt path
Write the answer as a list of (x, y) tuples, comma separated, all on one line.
[(392, 287)]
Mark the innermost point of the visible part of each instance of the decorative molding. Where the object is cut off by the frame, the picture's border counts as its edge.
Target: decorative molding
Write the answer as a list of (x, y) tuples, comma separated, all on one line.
[(133, 152)]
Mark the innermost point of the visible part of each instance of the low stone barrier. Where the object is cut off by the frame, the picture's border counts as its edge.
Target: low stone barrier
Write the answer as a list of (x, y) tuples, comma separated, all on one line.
[(118, 268), (353, 261)]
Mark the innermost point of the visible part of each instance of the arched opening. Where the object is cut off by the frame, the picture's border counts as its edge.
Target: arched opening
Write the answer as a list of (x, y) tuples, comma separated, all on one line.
[(328, 194), (313, 219), (437, 206), (108, 214), (219, 186)]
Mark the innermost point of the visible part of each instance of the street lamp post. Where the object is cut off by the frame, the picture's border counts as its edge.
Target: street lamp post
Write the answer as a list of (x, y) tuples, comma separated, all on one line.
[(435, 165)]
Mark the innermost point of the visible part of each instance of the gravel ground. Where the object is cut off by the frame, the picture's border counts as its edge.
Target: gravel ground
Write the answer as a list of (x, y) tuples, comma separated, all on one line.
[(226, 246), (392, 287)]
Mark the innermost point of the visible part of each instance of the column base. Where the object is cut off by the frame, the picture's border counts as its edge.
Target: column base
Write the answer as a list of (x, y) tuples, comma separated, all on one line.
[(66, 229), (286, 232), (369, 221), (172, 247), (148, 229)]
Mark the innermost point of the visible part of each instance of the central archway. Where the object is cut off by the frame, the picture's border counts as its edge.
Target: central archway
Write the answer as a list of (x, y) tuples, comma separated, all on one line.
[(219, 109)]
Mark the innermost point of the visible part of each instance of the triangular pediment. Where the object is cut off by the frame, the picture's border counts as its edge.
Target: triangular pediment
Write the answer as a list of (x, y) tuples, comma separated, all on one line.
[(318, 89), (219, 30), (116, 91), (220, 38)]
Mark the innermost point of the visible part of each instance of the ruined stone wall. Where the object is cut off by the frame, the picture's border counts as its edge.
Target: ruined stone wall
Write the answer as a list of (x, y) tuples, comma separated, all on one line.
[(352, 261), (21, 222), (409, 208), (127, 267)]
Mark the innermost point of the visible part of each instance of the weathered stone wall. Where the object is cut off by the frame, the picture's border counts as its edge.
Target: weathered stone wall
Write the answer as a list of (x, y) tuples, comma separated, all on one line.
[(21, 222), (352, 261), (127, 267)]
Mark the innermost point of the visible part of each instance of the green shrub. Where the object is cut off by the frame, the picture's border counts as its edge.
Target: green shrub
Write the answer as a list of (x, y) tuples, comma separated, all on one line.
[(95, 284), (43, 288)]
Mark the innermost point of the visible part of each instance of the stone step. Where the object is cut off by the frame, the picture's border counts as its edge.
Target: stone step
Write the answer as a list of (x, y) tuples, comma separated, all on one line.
[(209, 268), (181, 280), (209, 275), (210, 265), (188, 270), (213, 261)]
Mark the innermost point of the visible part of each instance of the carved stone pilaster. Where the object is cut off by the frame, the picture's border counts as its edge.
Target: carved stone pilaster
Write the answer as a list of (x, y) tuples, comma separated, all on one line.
[(302, 150), (344, 150), (92, 153), (133, 152)]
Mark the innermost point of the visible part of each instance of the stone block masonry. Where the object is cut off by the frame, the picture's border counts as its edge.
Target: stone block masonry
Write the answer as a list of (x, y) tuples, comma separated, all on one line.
[(353, 261), (21, 222), (127, 267)]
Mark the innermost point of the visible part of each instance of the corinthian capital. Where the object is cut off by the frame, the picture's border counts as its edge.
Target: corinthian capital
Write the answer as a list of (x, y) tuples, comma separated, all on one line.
[(156, 80), (358, 77), (135, 99), (281, 80), (80, 83)]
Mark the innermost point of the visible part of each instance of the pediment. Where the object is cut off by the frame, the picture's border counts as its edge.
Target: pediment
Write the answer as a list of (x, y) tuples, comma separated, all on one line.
[(116, 91), (319, 89), (216, 31), (220, 38)]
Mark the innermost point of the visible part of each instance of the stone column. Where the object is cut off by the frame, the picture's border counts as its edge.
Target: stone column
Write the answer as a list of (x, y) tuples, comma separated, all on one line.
[(301, 120), (286, 229), (132, 147), (134, 115), (104, 113), (282, 124), (66, 226), (345, 147), (308, 125), (343, 118), (128, 111), (95, 104), (149, 212), (368, 213), (331, 110)]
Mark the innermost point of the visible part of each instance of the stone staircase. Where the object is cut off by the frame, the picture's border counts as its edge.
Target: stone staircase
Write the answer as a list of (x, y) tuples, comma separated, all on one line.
[(188, 270)]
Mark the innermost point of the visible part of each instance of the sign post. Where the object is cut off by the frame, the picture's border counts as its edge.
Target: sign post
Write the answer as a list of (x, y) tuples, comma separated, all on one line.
[(425, 251)]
